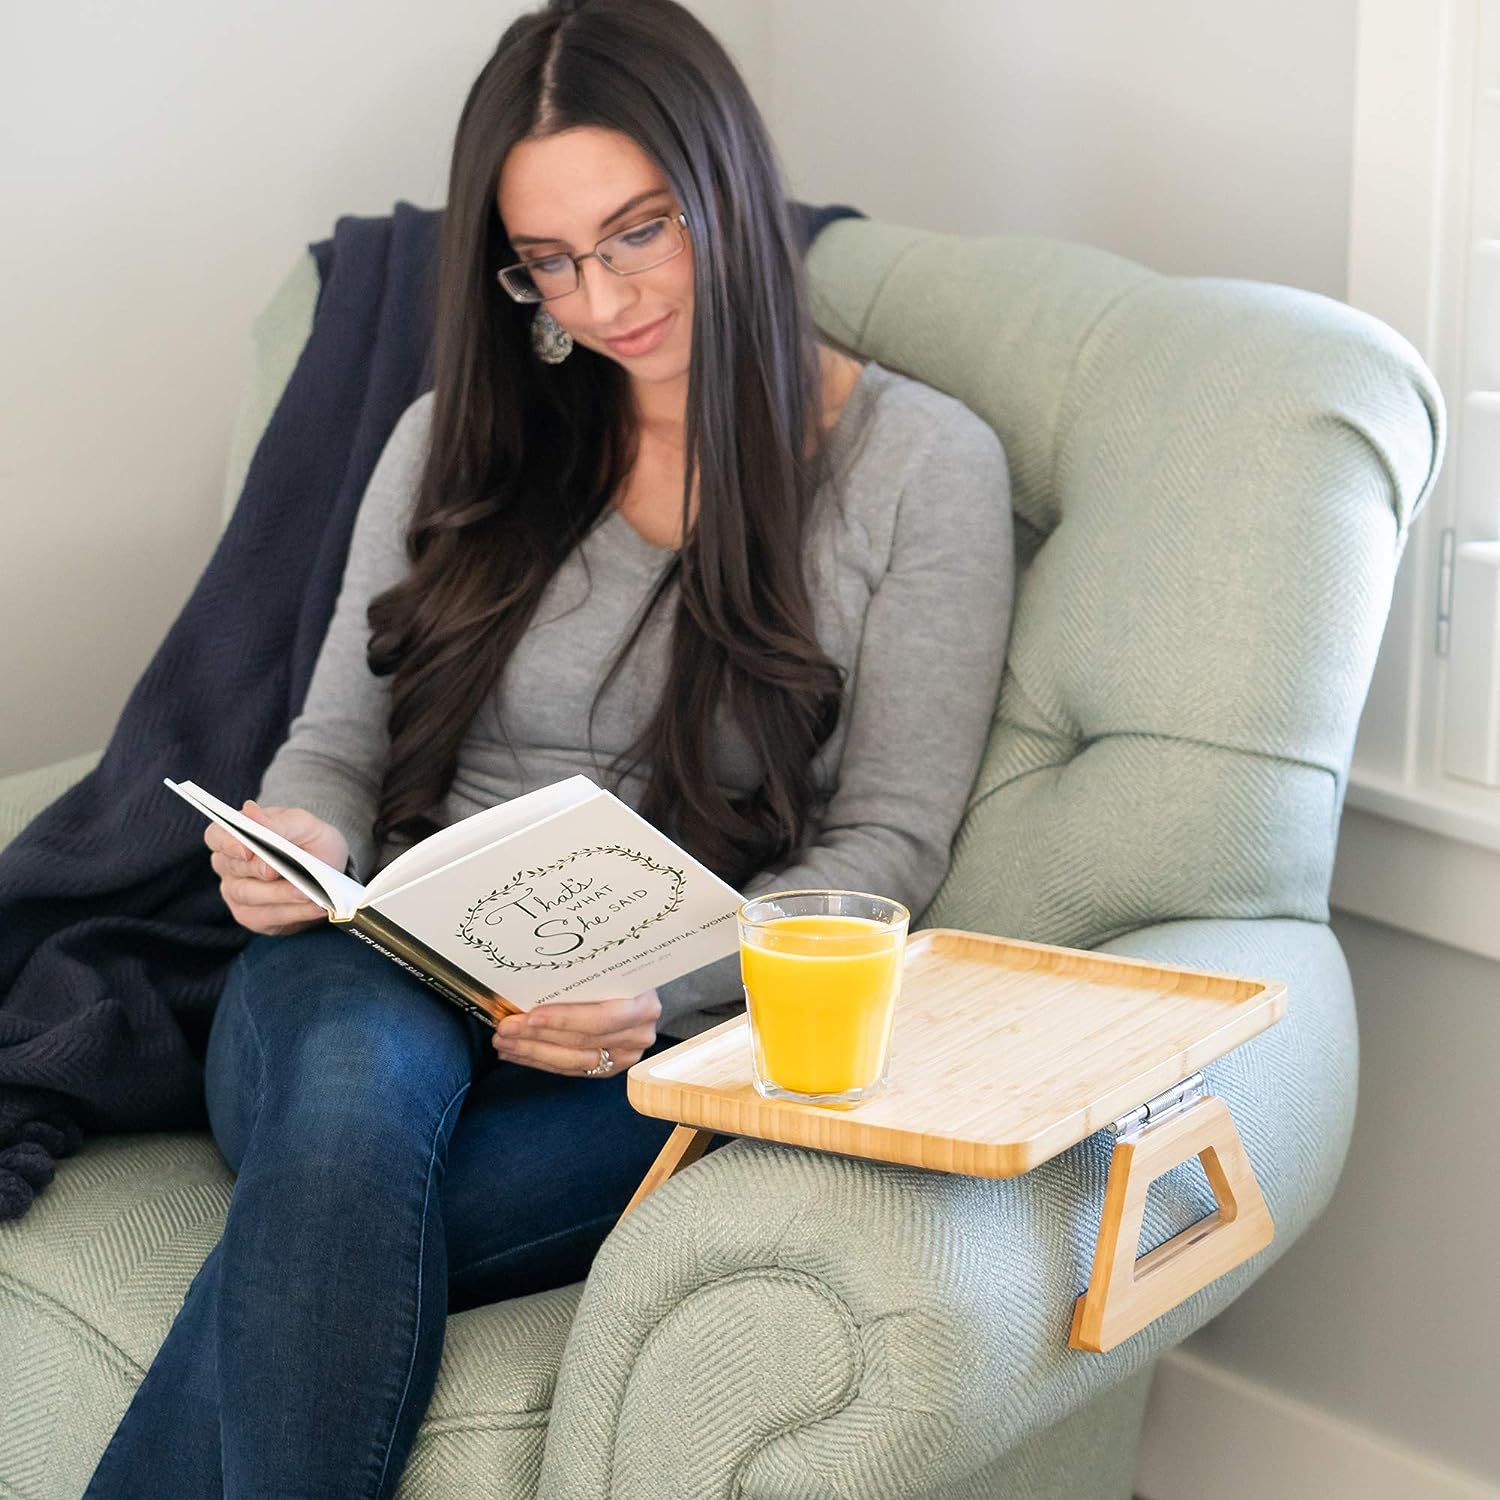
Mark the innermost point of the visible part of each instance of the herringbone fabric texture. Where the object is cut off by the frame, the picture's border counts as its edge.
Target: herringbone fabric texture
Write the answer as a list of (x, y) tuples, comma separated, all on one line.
[(1212, 484), (923, 1316)]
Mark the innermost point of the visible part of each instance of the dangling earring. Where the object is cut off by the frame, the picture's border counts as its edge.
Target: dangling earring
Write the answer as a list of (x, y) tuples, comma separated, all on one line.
[(550, 341)]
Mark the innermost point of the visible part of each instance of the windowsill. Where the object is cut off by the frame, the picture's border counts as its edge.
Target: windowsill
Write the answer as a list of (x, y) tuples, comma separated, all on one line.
[(1452, 810), (1426, 862)]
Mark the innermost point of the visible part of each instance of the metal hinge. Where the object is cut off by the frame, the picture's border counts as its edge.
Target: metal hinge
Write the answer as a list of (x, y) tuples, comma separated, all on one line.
[(1170, 1101), (1446, 547)]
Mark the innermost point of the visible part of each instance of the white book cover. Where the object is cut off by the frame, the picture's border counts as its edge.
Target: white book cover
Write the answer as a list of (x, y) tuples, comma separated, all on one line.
[(565, 893)]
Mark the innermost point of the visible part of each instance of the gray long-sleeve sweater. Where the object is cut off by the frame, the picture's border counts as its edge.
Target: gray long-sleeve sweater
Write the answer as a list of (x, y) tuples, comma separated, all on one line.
[(911, 570)]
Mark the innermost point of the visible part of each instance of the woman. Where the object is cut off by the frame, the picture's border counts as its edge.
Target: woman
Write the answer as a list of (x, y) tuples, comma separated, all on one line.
[(648, 527)]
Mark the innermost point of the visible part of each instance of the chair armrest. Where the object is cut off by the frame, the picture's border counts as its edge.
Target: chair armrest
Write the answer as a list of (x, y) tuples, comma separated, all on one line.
[(25, 794), (780, 1321)]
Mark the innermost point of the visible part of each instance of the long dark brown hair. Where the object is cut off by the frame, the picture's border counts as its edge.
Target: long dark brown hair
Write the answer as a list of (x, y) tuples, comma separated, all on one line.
[(524, 457)]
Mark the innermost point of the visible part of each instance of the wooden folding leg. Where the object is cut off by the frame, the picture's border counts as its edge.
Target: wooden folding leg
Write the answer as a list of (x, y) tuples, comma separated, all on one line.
[(684, 1146), (1125, 1294)]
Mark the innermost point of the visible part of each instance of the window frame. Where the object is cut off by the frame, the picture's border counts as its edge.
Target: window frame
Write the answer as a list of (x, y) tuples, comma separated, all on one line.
[(1408, 234), (1418, 849)]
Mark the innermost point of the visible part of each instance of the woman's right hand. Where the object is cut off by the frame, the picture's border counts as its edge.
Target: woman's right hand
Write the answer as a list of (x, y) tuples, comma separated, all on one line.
[(258, 897)]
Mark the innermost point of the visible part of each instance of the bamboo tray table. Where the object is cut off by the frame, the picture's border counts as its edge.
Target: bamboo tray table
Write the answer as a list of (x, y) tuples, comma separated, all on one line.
[(1005, 1053)]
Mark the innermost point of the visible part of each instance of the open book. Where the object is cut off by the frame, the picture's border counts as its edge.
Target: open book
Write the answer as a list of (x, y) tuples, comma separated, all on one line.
[(564, 893)]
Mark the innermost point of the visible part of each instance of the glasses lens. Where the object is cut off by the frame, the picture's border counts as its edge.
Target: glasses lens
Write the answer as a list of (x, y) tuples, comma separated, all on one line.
[(537, 280), (517, 281), (639, 249)]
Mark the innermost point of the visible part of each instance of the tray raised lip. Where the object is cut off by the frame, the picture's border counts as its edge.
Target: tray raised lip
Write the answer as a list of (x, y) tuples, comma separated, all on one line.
[(788, 1123)]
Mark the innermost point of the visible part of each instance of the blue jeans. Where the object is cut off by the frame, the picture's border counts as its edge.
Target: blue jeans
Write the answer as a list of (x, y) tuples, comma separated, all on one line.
[(389, 1168)]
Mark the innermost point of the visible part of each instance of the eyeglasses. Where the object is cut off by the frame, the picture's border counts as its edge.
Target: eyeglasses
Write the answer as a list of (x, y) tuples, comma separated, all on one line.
[(627, 253)]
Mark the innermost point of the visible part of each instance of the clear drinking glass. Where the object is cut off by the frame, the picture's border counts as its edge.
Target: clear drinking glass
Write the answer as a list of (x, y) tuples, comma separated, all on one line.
[(822, 971)]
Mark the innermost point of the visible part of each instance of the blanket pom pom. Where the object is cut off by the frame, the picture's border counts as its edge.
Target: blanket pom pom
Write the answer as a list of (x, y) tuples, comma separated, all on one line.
[(24, 1168), (29, 1162), (71, 1133), (15, 1195), (52, 1140)]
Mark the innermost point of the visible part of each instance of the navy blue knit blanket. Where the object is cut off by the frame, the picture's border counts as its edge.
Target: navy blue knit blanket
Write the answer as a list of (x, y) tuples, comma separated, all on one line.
[(114, 940)]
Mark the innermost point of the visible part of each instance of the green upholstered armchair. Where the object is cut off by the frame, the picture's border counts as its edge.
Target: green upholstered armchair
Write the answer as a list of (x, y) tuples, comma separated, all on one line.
[(1213, 482)]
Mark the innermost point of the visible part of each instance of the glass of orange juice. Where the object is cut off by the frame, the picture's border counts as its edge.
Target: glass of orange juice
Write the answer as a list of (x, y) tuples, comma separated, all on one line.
[(822, 970)]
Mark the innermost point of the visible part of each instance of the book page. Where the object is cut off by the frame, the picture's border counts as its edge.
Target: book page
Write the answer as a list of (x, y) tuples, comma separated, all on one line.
[(588, 904), (478, 831), (331, 889)]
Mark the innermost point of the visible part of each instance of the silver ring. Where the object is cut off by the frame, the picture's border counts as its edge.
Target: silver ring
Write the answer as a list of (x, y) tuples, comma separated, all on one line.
[(603, 1067)]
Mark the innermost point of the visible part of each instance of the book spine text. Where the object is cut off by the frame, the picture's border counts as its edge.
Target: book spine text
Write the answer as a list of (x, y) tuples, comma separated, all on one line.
[(431, 981)]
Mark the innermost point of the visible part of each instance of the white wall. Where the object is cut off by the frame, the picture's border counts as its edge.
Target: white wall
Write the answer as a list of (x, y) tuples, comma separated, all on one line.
[(163, 166), (1198, 138)]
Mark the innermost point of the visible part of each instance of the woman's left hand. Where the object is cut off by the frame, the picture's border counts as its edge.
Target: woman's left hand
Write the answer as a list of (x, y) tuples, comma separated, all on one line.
[(569, 1037)]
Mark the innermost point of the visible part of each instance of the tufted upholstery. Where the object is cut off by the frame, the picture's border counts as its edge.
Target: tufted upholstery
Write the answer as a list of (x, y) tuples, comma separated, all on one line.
[(1213, 480), (1212, 484)]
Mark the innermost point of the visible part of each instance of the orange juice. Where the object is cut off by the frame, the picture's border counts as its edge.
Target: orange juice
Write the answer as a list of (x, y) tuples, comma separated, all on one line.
[(822, 993)]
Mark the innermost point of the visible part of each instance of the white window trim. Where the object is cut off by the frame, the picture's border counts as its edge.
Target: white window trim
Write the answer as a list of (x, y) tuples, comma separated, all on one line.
[(1417, 849)]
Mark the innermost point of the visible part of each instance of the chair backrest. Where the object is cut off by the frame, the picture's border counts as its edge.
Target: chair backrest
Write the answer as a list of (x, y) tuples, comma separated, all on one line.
[(276, 339), (1212, 484)]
